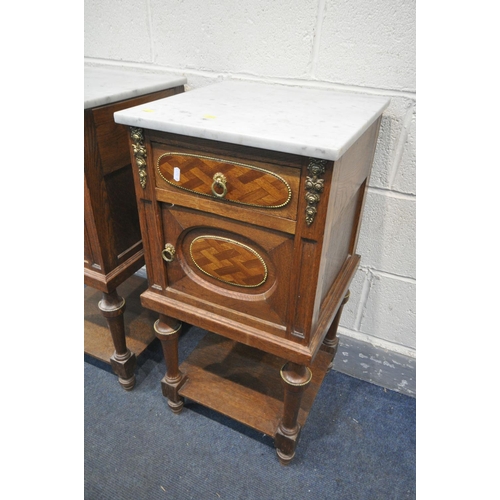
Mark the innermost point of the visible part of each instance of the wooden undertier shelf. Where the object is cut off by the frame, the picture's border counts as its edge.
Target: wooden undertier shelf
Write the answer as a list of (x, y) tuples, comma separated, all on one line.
[(244, 383), (138, 321)]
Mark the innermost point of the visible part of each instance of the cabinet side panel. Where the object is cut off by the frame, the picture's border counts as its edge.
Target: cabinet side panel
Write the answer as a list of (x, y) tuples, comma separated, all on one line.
[(345, 204), (337, 247), (350, 172), (124, 214), (91, 256), (96, 202)]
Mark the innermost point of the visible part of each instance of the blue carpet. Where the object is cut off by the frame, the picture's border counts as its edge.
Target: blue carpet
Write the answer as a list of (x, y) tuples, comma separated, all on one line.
[(358, 443)]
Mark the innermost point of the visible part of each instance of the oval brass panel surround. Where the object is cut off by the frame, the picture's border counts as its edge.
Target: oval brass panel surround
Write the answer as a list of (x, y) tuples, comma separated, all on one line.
[(246, 184), (228, 261)]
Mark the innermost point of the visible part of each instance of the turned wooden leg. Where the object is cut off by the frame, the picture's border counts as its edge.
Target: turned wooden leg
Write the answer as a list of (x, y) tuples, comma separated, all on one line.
[(296, 378), (331, 341), (167, 330), (122, 361)]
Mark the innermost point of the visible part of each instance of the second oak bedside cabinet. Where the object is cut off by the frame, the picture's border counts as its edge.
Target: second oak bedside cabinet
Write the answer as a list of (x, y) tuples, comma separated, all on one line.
[(112, 243), (250, 200)]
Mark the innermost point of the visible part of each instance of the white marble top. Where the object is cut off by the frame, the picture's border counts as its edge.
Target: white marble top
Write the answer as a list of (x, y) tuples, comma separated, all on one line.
[(304, 121), (105, 85)]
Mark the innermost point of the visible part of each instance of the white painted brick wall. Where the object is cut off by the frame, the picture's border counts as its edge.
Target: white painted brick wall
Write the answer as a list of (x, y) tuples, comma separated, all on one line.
[(405, 171), (389, 309), (392, 142), (117, 30), (351, 45), (370, 43), (259, 37), (387, 237)]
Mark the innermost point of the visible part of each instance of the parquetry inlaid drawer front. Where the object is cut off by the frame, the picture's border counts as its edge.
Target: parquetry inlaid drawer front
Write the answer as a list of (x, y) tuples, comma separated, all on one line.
[(222, 184), (236, 182)]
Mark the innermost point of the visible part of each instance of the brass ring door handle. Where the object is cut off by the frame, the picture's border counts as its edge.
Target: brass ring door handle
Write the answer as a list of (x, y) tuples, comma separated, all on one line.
[(219, 182), (168, 252)]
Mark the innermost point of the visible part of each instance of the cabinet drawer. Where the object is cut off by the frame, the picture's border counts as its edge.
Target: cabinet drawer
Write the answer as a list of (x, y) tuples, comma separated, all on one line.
[(187, 177), (231, 181)]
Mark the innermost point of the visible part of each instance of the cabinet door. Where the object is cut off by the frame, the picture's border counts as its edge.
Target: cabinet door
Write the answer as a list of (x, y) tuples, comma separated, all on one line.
[(230, 268)]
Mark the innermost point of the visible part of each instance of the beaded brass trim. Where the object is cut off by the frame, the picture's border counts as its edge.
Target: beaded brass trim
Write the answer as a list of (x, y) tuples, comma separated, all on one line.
[(137, 136), (230, 162), (236, 243)]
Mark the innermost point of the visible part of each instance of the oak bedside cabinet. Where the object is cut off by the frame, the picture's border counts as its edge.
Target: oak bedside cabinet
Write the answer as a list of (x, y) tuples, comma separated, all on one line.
[(250, 200), (112, 244)]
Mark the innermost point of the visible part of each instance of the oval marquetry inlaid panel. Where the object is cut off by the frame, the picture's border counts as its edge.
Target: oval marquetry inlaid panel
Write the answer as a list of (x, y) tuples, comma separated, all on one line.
[(228, 261), (246, 184)]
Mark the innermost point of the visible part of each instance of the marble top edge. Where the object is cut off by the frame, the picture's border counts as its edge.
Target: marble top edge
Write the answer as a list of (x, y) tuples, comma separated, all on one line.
[(304, 121), (106, 85)]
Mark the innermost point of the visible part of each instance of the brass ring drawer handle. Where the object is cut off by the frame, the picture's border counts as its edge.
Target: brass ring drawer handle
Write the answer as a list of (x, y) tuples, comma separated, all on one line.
[(219, 182), (168, 252)]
